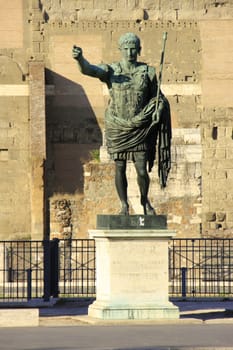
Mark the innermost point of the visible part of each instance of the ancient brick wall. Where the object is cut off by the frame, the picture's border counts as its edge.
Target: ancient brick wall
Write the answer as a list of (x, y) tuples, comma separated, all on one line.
[(117, 10), (14, 135), (22, 121), (197, 80), (217, 140)]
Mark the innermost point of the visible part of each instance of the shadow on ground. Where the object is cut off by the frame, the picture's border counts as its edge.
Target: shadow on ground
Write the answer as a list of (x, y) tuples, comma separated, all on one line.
[(209, 315)]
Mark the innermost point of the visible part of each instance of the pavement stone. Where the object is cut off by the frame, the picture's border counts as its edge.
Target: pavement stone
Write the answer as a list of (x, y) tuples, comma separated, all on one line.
[(191, 312)]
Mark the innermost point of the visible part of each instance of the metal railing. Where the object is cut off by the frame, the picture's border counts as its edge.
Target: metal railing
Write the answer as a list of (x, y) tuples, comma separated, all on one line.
[(77, 268), (66, 268), (21, 270), (41, 269), (201, 267)]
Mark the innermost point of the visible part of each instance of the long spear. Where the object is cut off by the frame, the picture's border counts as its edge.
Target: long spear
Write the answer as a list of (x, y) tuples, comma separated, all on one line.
[(160, 71)]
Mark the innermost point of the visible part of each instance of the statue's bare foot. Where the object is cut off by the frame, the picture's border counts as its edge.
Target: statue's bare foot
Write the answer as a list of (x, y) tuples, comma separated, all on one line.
[(148, 209), (124, 210)]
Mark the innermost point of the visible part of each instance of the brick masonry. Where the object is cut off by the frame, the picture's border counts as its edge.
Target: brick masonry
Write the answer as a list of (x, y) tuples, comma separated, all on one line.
[(197, 81)]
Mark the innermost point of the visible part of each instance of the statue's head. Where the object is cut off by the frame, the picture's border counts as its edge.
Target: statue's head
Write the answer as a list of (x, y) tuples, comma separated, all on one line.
[(130, 39)]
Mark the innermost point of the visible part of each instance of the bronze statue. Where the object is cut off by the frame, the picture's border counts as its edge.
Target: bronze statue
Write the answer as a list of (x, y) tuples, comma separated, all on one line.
[(136, 119)]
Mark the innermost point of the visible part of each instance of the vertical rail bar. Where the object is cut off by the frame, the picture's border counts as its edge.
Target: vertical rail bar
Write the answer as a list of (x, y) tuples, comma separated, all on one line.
[(54, 255), (183, 281), (47, 270), (193, 268), (200, 267), (82, 266), (29, 284), (229, 266)]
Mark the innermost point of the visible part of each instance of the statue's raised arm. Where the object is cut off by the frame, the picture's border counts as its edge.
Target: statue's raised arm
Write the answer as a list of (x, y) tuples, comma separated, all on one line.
[(85, 67)]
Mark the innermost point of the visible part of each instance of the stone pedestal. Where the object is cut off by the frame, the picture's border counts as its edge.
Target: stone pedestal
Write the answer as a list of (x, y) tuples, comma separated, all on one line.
[(132, 274)]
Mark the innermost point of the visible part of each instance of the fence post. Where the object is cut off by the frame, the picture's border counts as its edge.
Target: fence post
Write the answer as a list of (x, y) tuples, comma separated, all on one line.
[(183, 281), (47, 270), (54, 267), (10, 275)]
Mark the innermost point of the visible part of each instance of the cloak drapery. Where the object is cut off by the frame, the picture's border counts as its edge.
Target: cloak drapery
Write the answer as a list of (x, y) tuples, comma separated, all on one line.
[(123, 135)]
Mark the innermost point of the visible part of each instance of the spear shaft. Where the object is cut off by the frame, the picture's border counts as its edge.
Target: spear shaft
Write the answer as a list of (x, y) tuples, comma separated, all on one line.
[(160, 70)]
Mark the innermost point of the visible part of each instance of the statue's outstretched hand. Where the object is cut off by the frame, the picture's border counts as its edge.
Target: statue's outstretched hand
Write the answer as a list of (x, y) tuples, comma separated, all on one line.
[(77, 52)]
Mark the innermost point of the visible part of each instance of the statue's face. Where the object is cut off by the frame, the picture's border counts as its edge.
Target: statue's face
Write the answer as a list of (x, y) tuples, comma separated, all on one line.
[(129, 52)]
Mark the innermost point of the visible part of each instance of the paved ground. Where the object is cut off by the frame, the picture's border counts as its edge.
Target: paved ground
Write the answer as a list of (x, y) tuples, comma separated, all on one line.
[(191, 312), (124, 337), (203, 325)]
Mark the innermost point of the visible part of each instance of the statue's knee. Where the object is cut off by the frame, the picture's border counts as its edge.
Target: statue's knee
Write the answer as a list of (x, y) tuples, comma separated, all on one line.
[(120, 168), (142, 173)]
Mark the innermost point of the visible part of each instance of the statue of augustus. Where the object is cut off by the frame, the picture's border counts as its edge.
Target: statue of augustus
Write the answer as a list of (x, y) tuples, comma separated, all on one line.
[(137, 119)]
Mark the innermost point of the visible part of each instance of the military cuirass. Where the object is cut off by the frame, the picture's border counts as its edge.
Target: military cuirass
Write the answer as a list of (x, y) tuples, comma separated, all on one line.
[(128, 91)]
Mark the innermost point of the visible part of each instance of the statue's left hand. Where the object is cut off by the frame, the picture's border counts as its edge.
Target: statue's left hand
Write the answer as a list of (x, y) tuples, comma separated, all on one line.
[(157, 113)]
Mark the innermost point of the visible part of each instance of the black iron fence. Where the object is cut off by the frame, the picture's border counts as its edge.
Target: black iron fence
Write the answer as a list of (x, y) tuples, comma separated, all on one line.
[(21, 270), (201, 267), (44, 269), (66, 268)]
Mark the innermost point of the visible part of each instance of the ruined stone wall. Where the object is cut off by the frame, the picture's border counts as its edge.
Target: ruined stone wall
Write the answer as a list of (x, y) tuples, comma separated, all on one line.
[(117, 10), (197, 80)]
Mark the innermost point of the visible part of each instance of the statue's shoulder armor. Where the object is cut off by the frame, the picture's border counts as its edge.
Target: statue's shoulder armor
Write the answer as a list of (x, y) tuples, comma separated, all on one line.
[(148, 69), (115, 67)]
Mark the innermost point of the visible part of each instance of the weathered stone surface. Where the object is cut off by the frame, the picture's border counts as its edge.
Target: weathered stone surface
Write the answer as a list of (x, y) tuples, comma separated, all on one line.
[(210, 216), (19, 317), (132, 275)]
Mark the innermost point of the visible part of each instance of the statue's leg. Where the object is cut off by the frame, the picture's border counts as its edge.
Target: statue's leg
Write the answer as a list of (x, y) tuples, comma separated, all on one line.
[(143, 182), (121, 185)]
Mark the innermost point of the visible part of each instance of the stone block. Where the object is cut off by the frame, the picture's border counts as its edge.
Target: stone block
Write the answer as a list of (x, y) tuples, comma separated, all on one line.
[(35, 4), (150, 5), (229, 216), (36, 25), (4, 155), (230, 173), (132, 5), (37, 36), (220, 216), (210, 216), (36, 46), (88, 4), (220, 153), (220, 174), (19, 317), (121, 4), (221, 195), (195, 220), (192, 136), (229, 153)]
